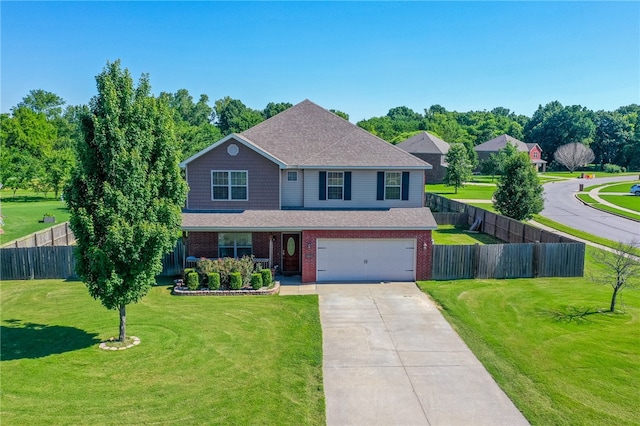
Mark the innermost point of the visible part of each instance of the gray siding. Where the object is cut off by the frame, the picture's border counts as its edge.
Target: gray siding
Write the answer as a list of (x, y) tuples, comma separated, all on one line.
[(263, 179), (292, 192), (363, 191)]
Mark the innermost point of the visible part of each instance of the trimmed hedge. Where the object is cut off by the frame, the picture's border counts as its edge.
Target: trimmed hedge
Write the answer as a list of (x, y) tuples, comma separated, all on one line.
[(193, 280), (214, 280), (235, 280), (267, 279), (256, 281)]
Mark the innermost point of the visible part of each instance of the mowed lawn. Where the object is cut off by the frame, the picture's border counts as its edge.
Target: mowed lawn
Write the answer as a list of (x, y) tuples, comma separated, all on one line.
[(22, 214), (202, 360), (468, 192), (557, 368), (450, 235)]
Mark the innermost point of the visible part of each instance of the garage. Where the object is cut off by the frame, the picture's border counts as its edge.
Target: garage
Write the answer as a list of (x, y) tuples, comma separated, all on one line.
[(366, 259)]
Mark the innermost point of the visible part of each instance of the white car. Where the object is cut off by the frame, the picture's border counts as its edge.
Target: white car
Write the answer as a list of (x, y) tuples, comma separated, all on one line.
[(635, 189)]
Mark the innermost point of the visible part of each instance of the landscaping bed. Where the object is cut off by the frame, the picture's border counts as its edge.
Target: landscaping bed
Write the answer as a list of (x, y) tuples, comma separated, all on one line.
[(180, 290)]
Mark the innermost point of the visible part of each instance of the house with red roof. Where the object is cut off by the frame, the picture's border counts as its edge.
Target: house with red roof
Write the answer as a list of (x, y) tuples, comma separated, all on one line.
[(313, 195)]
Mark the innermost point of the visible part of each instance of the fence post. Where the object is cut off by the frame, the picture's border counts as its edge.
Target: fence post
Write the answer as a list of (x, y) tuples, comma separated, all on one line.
[(537, 247), (476, 259)]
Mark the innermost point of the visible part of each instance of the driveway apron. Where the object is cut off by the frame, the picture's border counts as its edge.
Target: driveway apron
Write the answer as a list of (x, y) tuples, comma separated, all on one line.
[(390, 358)]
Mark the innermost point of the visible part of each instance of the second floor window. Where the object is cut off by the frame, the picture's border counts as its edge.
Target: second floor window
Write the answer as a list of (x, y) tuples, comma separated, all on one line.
[(392, 185), (535, 154), (335, 184), (229, 185)]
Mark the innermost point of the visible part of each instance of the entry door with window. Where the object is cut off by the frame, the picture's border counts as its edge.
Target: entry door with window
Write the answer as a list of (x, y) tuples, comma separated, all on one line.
[(291, 253)]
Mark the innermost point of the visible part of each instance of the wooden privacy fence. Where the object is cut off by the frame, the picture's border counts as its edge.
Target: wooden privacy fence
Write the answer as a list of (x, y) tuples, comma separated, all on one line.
[(59, 235), (33, 263), (450, 212), (523, 260), (28, 263)]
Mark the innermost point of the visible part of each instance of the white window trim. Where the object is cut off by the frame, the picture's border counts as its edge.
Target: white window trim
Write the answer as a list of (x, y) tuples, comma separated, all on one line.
[(293, 173), (229, 185), (393, 186), (335, 186)]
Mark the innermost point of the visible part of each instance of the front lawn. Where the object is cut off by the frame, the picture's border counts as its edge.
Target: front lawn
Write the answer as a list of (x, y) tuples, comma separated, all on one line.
[(556, 367), (621, 187), (23, 213), (202, 360)]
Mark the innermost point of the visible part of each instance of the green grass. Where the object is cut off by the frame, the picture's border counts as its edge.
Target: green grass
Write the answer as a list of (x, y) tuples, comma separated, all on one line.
[(577, 233), (469, 192), (630, 202), (450, 235), (22, 214), (556, 370), (621, 187), (202, 360), (485, 206), (598, 174), (587, 198)]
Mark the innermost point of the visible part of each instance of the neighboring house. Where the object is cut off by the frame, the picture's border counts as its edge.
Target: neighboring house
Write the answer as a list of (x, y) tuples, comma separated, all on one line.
[(314, 194), (485, 149), (431, 149)]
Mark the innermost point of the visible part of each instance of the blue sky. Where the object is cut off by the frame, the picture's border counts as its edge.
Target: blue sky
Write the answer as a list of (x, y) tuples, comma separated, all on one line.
[(359, 57)]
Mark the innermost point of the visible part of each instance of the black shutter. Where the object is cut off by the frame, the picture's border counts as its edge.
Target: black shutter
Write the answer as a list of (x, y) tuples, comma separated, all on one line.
[(322, 186), (380, 195), (347, 185), (405, 185)]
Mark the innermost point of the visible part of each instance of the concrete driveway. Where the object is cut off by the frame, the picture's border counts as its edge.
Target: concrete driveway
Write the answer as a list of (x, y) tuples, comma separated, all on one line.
[(390, 358)]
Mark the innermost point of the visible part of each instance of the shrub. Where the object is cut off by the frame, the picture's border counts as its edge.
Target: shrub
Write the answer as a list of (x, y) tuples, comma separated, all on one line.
[(214, 280), (256, 281), (226, 266), (612, 168), (193, 280), (186, 272), (266, 277), (235, 280)]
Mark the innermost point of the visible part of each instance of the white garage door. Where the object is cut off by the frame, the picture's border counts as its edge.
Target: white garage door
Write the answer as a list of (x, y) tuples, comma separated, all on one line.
[(366, 260)]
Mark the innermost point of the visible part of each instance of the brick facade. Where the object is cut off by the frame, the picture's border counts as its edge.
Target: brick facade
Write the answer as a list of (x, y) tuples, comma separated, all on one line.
[(205, 244), (309, 239)]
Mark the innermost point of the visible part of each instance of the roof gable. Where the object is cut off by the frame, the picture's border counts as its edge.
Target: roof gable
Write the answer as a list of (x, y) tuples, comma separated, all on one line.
[(424, 143), (500, 142), (237, 138)]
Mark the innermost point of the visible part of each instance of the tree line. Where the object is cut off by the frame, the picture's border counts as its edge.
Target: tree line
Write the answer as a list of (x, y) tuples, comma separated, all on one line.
[(38, 135)]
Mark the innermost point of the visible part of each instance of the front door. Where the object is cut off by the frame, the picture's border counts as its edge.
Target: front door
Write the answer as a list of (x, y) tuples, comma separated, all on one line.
[(291, 253)]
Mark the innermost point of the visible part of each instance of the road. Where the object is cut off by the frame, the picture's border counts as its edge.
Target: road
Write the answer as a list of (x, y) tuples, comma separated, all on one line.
[(562, 206)]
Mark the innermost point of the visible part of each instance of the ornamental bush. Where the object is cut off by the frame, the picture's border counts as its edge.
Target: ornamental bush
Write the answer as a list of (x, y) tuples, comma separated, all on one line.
[(612, 168), (193, 280), (214, 280), (226, 266), (186, 272), (256, 281), (266, 277), (235, 280)]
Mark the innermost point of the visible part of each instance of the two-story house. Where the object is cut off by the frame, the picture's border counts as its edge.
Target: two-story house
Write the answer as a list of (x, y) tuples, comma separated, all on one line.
[(314, 194), (431, 149), (492, 146)]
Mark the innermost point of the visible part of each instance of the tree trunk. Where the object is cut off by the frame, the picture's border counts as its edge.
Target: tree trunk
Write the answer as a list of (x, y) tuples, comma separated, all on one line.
[(123, 322), (612, 308)]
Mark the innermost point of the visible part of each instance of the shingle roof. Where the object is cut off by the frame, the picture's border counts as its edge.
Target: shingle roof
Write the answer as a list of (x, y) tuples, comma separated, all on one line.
[(424, 143), (308, 135), (296, 220), (500, 142)]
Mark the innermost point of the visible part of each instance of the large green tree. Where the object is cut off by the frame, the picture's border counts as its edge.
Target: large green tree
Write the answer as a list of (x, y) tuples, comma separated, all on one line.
[(459, 166), (126, 193), (519, 192)]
